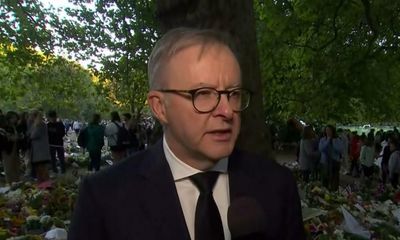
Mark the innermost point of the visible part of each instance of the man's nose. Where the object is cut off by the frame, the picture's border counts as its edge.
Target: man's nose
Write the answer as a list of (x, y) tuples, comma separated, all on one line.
[(224, 107)]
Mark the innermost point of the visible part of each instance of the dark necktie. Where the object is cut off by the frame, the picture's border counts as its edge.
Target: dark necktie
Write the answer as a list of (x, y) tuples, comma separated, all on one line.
[(208, 224)]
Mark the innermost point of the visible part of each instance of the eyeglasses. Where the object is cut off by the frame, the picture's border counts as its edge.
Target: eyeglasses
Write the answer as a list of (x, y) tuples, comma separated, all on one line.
[(206, 99)]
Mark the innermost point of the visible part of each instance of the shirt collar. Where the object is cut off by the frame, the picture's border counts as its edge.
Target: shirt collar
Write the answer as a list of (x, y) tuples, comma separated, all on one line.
[(181, 170)]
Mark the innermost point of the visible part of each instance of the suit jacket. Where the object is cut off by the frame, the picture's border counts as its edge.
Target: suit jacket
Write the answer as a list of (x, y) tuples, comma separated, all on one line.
[(137, 199)]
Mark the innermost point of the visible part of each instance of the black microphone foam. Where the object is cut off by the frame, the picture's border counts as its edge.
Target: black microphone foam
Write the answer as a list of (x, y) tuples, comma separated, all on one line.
[(246, 219)]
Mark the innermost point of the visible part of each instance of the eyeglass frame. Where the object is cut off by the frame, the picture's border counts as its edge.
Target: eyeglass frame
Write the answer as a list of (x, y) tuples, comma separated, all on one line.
[(192, 93)]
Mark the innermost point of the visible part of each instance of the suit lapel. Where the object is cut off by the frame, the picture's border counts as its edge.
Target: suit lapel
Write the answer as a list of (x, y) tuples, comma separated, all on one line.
[(163, 203)]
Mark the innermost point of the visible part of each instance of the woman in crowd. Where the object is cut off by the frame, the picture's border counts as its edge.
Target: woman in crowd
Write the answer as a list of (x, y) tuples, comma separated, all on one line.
[(40, 148), (95, 141), (394, 162), (9, 153), (367, 156), (331, 148), (118, 152), (308, 155)]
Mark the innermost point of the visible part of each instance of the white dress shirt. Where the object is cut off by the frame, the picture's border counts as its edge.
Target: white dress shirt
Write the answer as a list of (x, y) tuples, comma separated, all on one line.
[(188, 192)]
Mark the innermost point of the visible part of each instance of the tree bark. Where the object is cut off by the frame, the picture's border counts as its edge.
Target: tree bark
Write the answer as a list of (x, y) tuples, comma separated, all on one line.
[(236, 17)]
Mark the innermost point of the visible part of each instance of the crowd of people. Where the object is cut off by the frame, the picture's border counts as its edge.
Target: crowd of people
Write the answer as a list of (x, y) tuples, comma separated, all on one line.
[(32, 143), (324, 156)]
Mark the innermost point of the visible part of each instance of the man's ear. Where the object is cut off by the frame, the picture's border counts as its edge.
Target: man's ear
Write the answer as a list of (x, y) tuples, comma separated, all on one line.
[(156, 102)]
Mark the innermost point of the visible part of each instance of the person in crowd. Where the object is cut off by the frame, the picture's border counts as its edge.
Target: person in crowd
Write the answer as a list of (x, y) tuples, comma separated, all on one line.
[(316, 172), (343, 135), (77, 127), (9, 153), (367, 157), (308, 153), (371, 134), (378, 137), (22, 129), (394, 162), (331, 148), (386, 152), (29, 169), (40, 148), (67, 125), (56, 132), (355, 148), (142, 136), (181, 187), (131, 125), (396, 133), (94, 142), (24, 142), (118, 151), (126, 118)]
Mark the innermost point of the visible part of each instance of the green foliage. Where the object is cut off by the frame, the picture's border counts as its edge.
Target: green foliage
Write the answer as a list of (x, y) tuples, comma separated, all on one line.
[(324, 61), (48, 83), (330, 60), (24, 23), (118, 37)]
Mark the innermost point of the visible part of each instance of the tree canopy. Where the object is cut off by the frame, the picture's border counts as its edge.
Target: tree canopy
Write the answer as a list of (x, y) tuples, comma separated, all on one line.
[(48, 82), (324, 61), (330, 60), (118, 37)]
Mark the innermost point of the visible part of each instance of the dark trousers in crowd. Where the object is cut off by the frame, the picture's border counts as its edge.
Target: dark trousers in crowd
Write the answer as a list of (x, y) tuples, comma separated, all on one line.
[(95, 158), (367, 171), (59, 151), (316, 172), (331, 175), (384, 172), (32, 172), (306, 175), (354, 166), (394, 180)]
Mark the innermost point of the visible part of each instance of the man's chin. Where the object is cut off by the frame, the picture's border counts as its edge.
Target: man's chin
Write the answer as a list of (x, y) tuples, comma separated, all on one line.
[(216, 154)]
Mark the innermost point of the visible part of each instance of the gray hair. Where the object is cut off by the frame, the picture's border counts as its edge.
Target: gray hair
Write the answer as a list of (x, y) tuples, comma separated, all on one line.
[(178, 39)]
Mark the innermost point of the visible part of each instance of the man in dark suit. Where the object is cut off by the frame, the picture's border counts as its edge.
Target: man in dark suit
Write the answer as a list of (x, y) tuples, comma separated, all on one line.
[(182, 187)]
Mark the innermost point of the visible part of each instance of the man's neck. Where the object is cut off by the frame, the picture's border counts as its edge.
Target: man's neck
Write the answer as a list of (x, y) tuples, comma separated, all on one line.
[(201, 163)]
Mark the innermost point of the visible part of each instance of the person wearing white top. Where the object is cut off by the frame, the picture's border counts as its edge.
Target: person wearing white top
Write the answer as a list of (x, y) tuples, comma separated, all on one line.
[(367, 156)]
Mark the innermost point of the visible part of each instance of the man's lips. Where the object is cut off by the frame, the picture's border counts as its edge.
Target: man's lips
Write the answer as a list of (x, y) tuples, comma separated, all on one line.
[(221, 134)]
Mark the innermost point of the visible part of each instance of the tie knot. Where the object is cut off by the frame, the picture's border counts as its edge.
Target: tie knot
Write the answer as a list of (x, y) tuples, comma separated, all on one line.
[(205, 181)]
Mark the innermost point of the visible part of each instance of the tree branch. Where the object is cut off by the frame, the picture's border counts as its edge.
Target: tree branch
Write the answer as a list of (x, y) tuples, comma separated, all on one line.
[(19, 3), (368, 17), (330, 41)]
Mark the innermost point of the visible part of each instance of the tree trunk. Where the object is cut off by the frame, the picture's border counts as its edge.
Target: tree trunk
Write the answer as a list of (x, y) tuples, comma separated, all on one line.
[(236, 17)]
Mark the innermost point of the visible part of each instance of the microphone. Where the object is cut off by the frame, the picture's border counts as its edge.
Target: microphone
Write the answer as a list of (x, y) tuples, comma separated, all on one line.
[(246, 219)]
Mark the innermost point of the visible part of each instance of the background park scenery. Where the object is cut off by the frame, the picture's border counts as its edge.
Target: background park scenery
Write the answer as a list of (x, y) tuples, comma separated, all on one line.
[(308, 62)]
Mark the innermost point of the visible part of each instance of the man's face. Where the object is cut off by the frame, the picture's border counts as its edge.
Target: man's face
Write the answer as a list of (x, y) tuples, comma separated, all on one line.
[(200, 139)]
